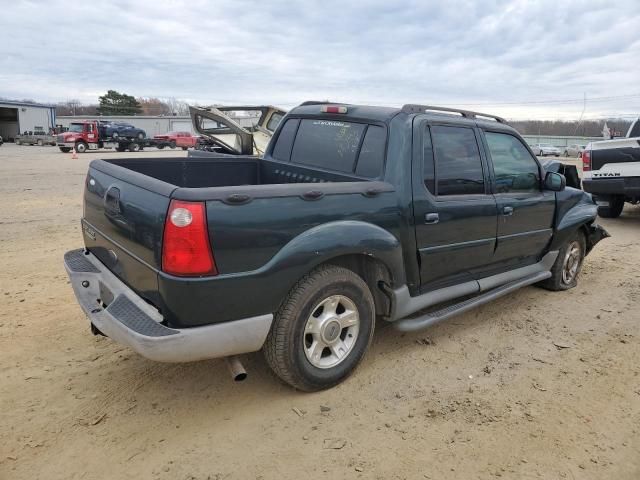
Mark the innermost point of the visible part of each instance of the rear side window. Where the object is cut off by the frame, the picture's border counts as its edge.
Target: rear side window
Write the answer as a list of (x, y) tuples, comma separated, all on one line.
[(371, 156), (282, 148), (458, 164), (328, 144)]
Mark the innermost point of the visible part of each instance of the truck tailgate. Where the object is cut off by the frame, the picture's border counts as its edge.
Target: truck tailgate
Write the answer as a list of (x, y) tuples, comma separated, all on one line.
[(123, 221)]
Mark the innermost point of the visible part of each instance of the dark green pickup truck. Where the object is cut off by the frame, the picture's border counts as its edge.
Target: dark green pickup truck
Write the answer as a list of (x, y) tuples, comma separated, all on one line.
[(355, 213)]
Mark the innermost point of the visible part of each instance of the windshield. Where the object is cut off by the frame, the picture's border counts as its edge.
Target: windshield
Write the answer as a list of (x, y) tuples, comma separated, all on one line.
[(76, 127)]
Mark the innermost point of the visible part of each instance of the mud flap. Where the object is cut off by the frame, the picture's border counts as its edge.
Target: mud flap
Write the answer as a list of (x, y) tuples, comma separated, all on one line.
[(596, 233)]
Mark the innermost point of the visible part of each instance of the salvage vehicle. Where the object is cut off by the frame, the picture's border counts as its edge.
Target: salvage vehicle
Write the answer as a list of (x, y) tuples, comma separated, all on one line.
[(94, 134), (574, 150), (611, 171), (39, 137), (182, 140), (121, 129), (542, 149), (355, 213), (221, 131)]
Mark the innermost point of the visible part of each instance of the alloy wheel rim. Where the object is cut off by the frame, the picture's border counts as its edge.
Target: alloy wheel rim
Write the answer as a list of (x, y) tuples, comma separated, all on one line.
[(571, 263), (331, 331)]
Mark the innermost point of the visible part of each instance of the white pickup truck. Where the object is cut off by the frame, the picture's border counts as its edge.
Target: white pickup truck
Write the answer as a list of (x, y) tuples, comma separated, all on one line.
[(611, 171)]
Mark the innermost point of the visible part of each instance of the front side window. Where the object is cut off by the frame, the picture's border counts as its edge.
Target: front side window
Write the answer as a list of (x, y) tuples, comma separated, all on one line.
[(514, 168), (457, 159)]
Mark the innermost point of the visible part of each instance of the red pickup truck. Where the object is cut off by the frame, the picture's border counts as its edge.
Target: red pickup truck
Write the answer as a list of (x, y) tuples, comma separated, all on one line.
[(183, 140)]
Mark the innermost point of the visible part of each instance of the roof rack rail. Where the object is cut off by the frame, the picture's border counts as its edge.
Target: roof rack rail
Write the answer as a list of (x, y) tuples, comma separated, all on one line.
[(415, 108)]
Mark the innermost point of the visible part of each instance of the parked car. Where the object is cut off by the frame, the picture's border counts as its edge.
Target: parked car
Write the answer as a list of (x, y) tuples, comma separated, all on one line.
[(574, 150), (354, 213), (121, 129), (38, 137), (183, 140), (542, 149), (611, 171)]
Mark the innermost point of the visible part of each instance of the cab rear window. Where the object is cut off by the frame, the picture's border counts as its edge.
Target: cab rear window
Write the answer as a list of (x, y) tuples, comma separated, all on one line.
[(345, 147)]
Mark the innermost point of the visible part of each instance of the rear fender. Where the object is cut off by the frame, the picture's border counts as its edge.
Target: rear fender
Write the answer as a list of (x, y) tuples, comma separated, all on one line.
[(320, 244)]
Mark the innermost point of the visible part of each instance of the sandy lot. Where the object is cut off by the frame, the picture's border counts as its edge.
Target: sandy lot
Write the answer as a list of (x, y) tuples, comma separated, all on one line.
[(535, 385)]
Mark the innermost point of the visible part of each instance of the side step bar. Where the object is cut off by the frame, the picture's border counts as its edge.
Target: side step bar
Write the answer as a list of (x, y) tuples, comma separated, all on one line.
[(431, 318)]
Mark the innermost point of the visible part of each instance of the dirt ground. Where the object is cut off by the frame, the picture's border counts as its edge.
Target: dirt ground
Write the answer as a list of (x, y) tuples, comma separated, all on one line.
[(534, 385)]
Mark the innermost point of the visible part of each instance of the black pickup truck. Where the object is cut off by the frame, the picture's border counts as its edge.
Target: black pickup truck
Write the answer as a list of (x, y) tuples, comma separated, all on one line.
[(355, 213)]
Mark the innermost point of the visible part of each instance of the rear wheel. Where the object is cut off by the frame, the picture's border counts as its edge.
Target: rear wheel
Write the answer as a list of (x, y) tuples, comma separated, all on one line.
[(140, 135), (565, 270), (614, 209), (134, 147), (322, 329), (172, 144), (81, 147), (65, 149), (160, 147)]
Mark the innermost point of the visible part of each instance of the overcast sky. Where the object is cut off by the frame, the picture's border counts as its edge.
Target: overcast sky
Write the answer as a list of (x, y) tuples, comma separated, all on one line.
[(496, 56)]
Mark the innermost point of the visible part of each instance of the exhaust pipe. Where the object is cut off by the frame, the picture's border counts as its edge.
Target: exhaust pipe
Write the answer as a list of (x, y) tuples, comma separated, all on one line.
[(238, 373)]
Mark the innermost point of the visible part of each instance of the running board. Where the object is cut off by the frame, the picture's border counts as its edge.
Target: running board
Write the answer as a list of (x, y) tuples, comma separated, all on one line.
[(431, 318)]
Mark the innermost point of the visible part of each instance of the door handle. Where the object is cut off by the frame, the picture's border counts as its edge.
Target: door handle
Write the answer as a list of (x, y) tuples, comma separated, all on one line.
[(431, 218), (507, 211)]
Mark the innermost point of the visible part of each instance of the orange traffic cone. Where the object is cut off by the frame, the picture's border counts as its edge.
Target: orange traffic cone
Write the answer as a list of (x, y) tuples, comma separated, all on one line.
[(74, 155)]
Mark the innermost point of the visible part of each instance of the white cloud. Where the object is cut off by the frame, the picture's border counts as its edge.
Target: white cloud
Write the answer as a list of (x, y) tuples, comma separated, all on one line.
[(458, 52)]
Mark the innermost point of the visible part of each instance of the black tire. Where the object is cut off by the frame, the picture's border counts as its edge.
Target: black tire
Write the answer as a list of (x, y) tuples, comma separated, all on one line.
[(566, 153), (40, 143), (121, 149), (81, 147), (285, 347), (172, 144), (134, 147), (140, 135), (558, 281), (185, 148), (616, 204), (65, 149), (160, 147)]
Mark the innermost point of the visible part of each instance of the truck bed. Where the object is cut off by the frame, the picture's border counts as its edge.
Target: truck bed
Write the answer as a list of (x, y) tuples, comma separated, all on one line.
[(225, 171)]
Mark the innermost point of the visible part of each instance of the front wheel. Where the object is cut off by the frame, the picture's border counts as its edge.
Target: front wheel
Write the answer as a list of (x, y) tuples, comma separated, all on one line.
[(322, 329), (565, 270), (81, 147), (65, 149)]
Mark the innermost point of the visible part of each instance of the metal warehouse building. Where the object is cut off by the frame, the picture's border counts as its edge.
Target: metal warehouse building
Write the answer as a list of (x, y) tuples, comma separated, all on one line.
[(20, 117)]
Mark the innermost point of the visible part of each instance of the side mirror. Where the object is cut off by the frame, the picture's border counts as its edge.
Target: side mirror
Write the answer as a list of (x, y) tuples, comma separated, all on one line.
[(555, 182)]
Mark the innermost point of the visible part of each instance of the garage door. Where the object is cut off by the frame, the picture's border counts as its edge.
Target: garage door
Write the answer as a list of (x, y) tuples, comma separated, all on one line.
[(181, 126), (9, 127)]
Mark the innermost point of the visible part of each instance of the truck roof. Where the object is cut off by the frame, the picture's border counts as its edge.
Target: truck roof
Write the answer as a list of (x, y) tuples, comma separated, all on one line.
[(384, 114)]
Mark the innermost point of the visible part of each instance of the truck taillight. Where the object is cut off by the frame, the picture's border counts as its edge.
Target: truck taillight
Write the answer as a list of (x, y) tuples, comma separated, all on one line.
[(186, 250), (586, 160)]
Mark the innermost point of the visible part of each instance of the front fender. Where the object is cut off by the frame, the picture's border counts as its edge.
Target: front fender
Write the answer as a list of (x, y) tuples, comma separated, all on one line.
[(575, 209)]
